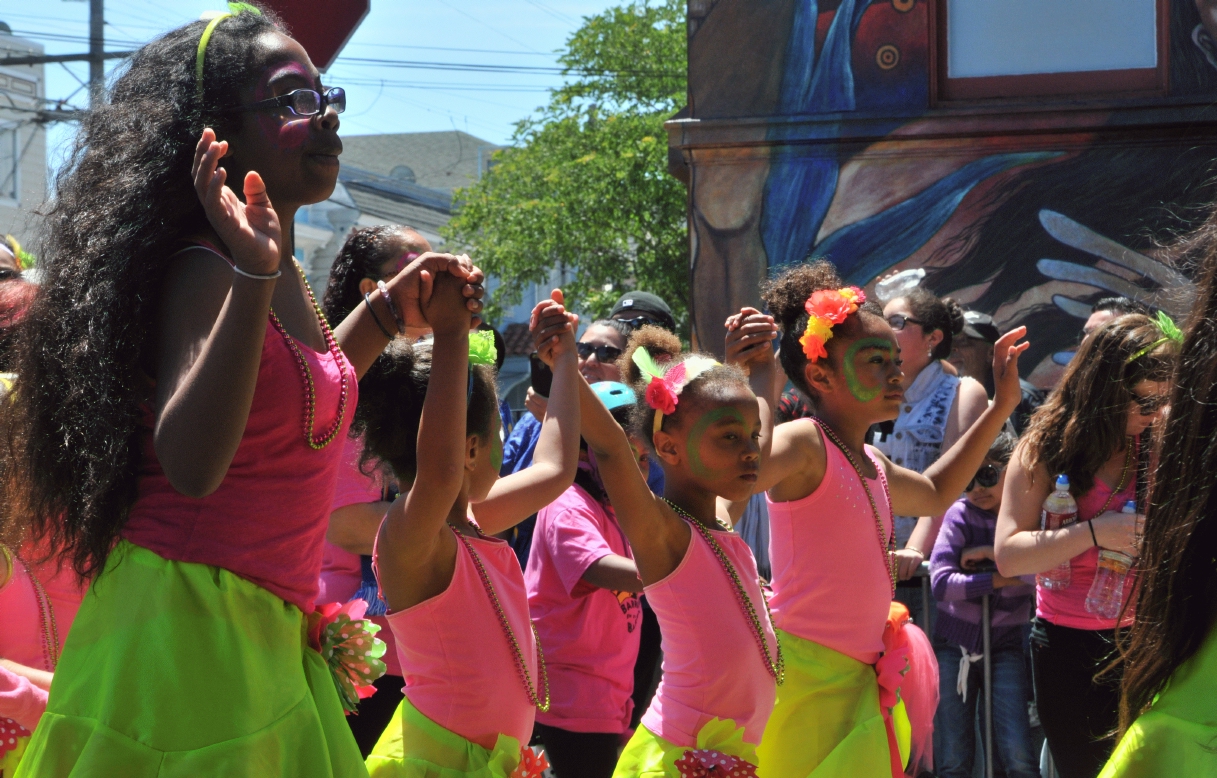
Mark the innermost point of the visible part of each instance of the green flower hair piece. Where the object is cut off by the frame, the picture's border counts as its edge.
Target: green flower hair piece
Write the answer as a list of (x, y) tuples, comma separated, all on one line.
[(482, 350), (1170, 331)]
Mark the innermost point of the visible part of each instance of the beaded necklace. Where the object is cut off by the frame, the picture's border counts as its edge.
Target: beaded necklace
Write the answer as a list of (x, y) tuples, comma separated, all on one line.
[(508, 632), (46, 614), (776, 667), (306, 375), (886, 547)]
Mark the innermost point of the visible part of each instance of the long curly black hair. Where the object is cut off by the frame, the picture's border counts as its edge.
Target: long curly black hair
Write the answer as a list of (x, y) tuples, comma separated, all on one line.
[(366, 249), (85, 358)]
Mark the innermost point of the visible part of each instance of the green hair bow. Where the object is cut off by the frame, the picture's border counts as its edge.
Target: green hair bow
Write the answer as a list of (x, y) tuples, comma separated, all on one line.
[(1169, 330), (482, 350)]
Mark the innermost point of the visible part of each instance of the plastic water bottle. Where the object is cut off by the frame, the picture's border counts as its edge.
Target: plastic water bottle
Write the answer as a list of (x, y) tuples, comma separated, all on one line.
[(1106, 595), (1060, 510)]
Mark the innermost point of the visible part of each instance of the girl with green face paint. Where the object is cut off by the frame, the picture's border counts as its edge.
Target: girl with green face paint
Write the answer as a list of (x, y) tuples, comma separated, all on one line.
[(831, 504)]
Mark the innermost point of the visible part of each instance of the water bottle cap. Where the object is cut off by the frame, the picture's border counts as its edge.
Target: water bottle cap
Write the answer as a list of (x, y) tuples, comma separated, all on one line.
[(1062, 481), (1130, 506)]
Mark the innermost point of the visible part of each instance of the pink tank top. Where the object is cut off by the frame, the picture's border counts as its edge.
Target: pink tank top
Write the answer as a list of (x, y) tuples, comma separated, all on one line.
[(1067, 608), (460, 670), (267, 521), (35, 617), (712, 665), (830, 580)]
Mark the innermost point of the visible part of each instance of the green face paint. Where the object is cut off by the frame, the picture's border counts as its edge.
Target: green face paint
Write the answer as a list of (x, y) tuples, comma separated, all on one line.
[(861, 392), (693, 444), (496, 449)]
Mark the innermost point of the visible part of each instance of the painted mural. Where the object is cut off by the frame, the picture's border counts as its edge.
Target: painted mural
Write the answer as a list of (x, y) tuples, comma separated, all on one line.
[(815, 137)]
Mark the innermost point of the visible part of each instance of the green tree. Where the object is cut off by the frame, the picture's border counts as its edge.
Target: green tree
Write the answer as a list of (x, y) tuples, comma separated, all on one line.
[(584, 187)]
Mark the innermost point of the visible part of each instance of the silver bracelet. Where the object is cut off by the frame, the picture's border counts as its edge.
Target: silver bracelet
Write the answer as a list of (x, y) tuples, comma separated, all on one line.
[(255, 276)]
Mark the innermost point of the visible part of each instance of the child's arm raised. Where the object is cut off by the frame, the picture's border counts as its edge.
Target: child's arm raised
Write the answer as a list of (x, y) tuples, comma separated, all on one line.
[(410, 562), (932, 492), (747, 345), (515, 497)]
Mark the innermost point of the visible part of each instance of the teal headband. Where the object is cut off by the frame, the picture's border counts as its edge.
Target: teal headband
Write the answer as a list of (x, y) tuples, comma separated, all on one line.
[(205, 38)]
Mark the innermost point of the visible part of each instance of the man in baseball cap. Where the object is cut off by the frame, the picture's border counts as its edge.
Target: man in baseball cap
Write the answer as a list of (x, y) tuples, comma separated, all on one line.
[(641, 308), (972, 355)]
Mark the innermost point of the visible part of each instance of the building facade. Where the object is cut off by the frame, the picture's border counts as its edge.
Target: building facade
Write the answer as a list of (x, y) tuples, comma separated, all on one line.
[(22, 139)]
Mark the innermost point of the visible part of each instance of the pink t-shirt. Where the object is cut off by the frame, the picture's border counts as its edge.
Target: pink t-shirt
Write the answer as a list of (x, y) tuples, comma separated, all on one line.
[(712, 665), (459, 667), (590, 634), (267, 520), (1067, 607), (830, 579)]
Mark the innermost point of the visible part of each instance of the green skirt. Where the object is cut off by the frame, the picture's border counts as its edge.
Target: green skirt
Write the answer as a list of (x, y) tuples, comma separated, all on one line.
[(180, 669), (647, 755), (1177, 736)]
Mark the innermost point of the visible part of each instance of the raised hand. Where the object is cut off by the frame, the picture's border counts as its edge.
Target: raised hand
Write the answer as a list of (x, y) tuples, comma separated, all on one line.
[(553, 328), (413, 286), (249, 229), (1008, 393), (749, 334), (445, 308)]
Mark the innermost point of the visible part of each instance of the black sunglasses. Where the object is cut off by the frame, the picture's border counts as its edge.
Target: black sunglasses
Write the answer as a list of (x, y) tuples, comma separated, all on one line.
[(986, 476), (898, 320), (604, 353), (1148, 406), (304, 102)]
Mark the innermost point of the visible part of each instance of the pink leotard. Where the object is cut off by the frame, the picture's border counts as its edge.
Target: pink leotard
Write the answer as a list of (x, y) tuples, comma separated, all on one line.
[(712, 665), (830, 581), (460, 670), (267, 520)]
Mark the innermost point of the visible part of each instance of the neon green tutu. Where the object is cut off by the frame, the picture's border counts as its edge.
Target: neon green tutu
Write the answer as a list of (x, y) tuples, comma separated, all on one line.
[(1177, 736), (647, 755), (826, 722), (414, 746), (180, 669)]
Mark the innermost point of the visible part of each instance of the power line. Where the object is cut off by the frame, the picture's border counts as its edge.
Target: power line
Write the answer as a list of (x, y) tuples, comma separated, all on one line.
[(482, 68)]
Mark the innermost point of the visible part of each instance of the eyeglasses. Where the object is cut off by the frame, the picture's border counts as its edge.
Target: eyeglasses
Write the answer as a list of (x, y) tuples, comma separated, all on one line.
[(304, 102), (986, 476), (643, 321), (898, 320), (1148, 406), (603, 352)]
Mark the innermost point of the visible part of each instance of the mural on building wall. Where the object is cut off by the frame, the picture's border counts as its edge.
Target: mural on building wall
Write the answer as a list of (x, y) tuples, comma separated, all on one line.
[(1032, 227)]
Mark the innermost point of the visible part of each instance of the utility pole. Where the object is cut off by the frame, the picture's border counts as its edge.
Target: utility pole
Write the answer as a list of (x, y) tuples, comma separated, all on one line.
[(97, 47)]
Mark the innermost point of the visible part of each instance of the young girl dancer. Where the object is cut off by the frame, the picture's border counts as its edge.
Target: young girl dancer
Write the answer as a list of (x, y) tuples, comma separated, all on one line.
[(177, 401), (474, 673), (721, 658), (1096, 429), (831, 500)]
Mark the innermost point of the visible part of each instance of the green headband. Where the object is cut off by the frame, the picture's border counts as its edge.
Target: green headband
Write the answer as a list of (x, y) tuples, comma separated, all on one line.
[(1169, 330), (233, 10)]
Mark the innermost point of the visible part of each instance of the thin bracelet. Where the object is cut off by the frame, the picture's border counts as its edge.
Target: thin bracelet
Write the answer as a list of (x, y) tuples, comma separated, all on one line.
[(368, 302), (1090, 524), (920, 553), (255, 276), (384, 292)]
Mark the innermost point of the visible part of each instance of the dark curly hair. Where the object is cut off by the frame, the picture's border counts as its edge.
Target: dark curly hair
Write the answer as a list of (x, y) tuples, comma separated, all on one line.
[(934, 313), (785, 295), (664, 347), (390, 409), (1083, 421), (16, 295), (365, 251), (123, 202)]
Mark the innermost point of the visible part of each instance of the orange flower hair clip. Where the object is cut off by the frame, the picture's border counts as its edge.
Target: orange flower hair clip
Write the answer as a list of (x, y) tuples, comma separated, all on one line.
[(825, 309)]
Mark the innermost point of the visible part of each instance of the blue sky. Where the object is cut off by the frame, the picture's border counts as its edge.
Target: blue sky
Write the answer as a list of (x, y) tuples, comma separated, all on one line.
[(380, 98)]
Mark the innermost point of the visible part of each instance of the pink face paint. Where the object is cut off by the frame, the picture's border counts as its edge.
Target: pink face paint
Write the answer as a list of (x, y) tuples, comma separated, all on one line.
[(406, 259), (284, 128)]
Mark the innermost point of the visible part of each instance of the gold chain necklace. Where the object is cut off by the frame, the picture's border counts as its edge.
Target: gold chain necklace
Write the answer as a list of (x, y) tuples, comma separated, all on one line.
[(776, 667), (521, 666), (306, 375), (886, 547), (1128, 444)]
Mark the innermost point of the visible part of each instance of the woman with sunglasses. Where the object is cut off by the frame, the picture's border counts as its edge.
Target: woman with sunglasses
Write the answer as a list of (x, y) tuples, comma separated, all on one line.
[(962, 572), (179, 411), (1095, 428), (938, 408)]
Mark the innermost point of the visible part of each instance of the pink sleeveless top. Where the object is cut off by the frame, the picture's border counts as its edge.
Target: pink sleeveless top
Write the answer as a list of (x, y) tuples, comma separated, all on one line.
[(1067, 608), (267, 521), (712, 665), (27, 619), (830, 580), (459, 668)]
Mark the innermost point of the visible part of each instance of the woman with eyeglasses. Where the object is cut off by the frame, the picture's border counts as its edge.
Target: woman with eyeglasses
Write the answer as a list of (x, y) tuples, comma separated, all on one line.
[(1096, 429), (179, 411), (938, 408)]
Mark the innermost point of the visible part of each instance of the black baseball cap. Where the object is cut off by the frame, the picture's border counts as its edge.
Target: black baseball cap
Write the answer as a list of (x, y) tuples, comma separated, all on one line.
[(634, 304), (980, 326)]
